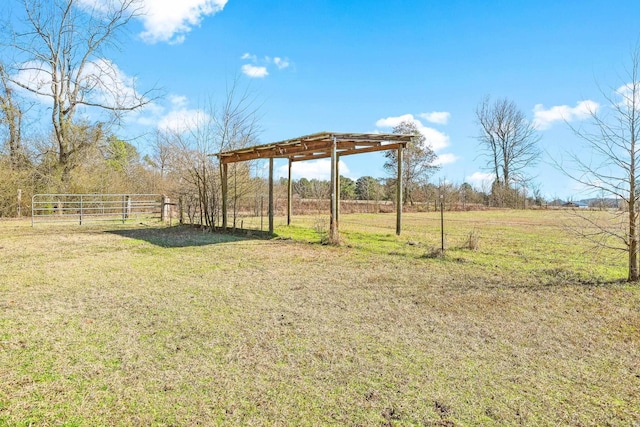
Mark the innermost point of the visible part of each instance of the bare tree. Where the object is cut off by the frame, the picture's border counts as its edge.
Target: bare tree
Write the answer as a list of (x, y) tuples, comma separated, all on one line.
[(59, 55), (231, 124), (236, 125), (610, 168), (161, 154), (508, 140), (418, 160), (11, 116)]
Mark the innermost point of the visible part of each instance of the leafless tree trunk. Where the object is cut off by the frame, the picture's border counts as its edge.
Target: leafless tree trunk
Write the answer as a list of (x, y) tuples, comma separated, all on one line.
[(59, 55), (229, 125), (235, 125), (507, 139), (11, 116), (611, 166)]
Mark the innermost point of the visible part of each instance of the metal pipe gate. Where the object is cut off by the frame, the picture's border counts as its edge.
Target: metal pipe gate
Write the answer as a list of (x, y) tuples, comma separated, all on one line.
[(83, 208)]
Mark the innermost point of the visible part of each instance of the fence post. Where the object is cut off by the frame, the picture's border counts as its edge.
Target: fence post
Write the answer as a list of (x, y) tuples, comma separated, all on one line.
[(180, 214), (80, 209), (164, 211), (19, 209), (442, 224), (126, 207)]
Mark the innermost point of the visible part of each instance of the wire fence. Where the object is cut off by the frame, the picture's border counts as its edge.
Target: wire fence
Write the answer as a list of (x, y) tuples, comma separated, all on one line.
[(543, 234), (548, 234)]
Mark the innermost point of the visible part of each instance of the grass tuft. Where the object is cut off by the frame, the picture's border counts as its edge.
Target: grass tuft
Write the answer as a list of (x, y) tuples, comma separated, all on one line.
[(472, 242)]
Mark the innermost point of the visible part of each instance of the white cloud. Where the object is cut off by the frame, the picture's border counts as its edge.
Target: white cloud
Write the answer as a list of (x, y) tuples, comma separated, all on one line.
[(258, 68), (178, 101), (544, 118), (437, 117), (164, 20), (108, 84), (149, 115), (36, 76), (182, 120), (395, 121), (281, 63), (170, 20), (629, 95), (435, 139), (312, 169), (480, 180), (113, 86), (175, 117), (446, 159), (254, 71)]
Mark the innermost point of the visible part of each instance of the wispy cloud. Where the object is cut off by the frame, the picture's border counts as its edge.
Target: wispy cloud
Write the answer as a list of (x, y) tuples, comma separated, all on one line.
[(104, 81), (180, 118), (254, 71), (480, 180), (629, 95), (544, 118), (281, 63), (436, 117), (259, 67), (180, 121)]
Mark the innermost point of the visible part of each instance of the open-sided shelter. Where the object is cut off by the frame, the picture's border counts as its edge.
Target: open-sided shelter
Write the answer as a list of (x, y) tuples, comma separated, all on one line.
[(311, 147)]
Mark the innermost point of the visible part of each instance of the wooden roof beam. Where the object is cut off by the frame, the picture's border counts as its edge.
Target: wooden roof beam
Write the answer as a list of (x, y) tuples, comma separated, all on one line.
[(318, 145), (394, 146), (344, 145), (273, 151), (348, 152), (311, 156)]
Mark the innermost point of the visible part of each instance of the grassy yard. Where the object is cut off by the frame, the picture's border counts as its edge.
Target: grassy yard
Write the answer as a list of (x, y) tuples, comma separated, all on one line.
[(146, 325)]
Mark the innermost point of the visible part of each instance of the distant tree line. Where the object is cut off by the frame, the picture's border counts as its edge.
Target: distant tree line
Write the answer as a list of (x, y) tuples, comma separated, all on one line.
[(463, 195)]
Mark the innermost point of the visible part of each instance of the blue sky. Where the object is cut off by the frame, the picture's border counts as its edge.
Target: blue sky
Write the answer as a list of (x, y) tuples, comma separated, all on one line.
[(361, 65)]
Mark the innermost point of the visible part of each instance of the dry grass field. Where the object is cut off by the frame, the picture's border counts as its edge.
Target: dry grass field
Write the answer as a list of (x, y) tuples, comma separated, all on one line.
[(146, 325)]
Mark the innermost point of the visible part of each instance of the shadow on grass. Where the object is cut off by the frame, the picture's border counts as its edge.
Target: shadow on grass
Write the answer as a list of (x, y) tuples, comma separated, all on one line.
[(182, 236)]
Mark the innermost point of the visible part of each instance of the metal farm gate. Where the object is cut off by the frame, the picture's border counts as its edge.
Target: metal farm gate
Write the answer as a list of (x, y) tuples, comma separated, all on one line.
[(83, 208)]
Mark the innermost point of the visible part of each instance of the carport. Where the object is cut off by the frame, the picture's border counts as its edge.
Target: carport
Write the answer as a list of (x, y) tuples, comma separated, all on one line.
[(312, 147)]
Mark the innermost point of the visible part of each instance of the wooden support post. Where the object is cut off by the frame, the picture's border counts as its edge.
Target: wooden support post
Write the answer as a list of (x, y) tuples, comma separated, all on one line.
[(271, 195), (441, 224), (399, 193), (334, 237), (19, 207), (127, 207), (289, 195), (337, 189), (166, 208), (225, 194)]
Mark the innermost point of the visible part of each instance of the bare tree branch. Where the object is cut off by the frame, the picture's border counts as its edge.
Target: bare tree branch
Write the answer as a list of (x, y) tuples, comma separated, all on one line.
[(612, 142), (59, 55), (508, 141)]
